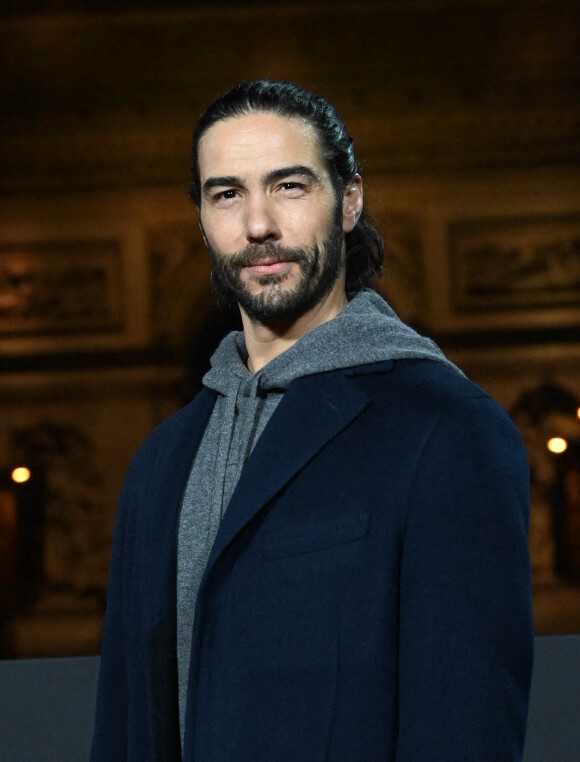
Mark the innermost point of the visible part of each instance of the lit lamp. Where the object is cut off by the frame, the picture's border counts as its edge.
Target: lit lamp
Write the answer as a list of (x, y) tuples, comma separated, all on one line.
[(557, 445), (20, 475)]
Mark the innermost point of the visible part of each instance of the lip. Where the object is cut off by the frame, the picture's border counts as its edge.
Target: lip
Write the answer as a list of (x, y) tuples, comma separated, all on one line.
[(270, 267)]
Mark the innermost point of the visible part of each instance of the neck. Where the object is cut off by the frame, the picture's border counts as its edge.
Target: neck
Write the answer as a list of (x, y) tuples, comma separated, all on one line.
[(265, 341)]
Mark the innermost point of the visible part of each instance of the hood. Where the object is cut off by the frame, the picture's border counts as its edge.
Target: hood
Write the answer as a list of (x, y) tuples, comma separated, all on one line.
[(366, 331)]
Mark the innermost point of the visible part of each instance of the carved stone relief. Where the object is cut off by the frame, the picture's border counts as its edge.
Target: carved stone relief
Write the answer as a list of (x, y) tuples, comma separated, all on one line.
[(60, 287)]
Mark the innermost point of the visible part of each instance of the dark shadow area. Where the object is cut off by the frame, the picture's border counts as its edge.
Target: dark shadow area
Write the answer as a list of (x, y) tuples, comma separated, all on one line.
[(216, 325)]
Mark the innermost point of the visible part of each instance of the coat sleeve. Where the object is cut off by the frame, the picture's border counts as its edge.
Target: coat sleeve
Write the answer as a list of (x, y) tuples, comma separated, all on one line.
[(466, 634)]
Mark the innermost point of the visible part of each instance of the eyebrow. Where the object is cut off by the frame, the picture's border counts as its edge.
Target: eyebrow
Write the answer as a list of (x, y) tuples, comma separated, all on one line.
[(296, 169), (220, 182), (275, 174)]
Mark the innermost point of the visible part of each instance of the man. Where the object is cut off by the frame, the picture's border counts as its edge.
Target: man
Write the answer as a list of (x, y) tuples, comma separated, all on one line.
[(324, 555)]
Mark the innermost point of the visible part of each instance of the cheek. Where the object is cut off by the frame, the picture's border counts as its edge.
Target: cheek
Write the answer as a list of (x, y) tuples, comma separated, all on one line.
[(222, 231), (310, 222)]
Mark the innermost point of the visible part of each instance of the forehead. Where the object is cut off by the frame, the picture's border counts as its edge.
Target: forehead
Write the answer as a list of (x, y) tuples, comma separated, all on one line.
[(256, 143)]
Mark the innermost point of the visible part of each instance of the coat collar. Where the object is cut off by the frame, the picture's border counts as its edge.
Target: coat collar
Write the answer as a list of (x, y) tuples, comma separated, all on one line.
[(313, 410), (165, 481)]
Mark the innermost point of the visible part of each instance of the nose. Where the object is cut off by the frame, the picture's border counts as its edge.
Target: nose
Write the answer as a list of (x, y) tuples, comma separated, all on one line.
[(261, 222)]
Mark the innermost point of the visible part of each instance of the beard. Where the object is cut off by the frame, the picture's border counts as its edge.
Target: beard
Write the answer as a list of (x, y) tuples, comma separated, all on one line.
[(319, 268)]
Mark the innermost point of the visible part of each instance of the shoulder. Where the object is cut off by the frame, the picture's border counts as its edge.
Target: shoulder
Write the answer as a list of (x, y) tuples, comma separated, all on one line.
[(426, 397), (420, 384)]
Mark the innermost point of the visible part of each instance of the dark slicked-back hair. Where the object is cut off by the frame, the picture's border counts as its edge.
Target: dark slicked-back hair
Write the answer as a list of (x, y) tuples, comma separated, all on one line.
[(364, 245)]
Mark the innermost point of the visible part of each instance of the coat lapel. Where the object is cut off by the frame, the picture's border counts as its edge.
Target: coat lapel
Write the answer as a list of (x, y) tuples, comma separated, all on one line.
[(171, 470), (313, 410)]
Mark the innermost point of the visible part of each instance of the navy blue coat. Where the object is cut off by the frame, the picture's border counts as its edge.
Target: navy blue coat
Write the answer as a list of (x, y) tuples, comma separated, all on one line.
[(368, 594)]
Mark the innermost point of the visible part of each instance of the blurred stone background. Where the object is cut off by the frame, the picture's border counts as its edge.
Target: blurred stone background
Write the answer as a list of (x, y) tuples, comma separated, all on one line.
[(466, 117)]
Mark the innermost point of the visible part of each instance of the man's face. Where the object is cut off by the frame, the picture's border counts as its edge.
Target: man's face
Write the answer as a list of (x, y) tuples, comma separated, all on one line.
[(270, 216)]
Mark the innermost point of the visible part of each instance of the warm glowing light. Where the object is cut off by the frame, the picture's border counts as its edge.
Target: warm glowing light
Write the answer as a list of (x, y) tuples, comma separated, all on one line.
[(20, 475), (578, 412), (557, 445)]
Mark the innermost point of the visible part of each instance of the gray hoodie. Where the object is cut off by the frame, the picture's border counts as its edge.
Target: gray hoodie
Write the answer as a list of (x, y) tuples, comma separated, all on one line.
[(366, 331)]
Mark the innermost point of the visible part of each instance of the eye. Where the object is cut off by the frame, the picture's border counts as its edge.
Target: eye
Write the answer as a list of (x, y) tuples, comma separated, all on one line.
[(292, 187), (225, 194)]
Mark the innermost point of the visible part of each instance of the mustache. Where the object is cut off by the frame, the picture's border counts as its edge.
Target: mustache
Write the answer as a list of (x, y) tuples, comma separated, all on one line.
[(256, 253)]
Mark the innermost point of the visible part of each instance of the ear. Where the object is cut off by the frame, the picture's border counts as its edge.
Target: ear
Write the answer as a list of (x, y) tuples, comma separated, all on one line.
[(352, 203)]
